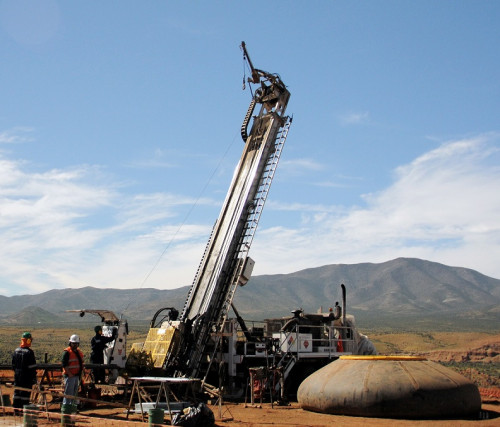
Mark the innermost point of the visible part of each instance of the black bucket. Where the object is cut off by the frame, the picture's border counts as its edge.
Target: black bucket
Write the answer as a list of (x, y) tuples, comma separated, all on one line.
[(5, 400)]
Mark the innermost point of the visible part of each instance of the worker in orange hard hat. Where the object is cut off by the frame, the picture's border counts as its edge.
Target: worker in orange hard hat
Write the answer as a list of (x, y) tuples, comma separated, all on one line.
[(23, 358)]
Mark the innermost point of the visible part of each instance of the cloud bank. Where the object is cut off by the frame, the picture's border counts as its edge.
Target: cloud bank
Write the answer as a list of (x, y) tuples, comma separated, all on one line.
[(77, 227)]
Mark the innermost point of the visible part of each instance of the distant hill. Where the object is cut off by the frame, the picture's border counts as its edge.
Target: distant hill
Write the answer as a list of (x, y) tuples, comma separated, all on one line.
[(400, 286), (404, 288), (134, 303), (32, 315)]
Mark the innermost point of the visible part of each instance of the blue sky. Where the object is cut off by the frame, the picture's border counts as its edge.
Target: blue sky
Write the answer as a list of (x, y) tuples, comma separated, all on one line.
[(120, 120)]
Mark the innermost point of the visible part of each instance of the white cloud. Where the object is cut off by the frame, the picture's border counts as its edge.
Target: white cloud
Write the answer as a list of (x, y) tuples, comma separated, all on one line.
[(443, 206), (341, 181), (354, 118), (75, 227), (15, 136), (299, 166), (72, 228), (161, 159), (330, 184)]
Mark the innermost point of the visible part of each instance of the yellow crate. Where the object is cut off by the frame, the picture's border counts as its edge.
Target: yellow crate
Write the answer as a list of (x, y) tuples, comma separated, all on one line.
[(158, 343)]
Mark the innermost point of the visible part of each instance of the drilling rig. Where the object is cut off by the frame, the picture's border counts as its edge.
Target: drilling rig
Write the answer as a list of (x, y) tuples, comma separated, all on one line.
[(225, 263), (186, 344)]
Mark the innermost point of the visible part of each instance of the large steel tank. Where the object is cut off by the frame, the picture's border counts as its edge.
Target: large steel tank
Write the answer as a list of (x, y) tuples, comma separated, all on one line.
[(389, 387)]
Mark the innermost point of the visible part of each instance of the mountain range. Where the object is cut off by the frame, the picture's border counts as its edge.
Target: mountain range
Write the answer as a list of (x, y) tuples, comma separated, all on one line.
[(407, 289)]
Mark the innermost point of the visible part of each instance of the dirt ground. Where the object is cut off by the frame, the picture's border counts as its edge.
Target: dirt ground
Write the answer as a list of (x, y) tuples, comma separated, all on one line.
[(239, 415), (293, 416)]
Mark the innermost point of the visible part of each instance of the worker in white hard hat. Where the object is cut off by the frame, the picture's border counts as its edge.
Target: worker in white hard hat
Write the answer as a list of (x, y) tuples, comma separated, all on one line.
[(72, 365)]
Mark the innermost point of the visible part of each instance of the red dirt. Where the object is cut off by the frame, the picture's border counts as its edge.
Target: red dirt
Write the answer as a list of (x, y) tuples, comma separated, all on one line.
[(237, 415), (485, 350), (241, 415)]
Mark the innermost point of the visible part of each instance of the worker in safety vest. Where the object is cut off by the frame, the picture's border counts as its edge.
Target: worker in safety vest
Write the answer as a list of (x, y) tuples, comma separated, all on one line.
[(24, 376), (72, 364)]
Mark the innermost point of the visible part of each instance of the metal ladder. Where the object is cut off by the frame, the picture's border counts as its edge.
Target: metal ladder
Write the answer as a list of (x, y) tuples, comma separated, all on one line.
[(263, 190), (254, 217), (190, 292)]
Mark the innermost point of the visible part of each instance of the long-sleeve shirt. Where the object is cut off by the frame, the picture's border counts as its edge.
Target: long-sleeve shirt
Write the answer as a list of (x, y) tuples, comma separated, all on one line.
[(22, 358), (98, 344)]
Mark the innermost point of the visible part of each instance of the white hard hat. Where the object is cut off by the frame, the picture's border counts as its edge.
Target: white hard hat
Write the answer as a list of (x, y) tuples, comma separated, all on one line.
[(74, 338)]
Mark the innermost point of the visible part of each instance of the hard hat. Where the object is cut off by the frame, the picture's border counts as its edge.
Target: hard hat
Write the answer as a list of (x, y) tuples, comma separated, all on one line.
[(74, 338), (98, 328), (27, 335)]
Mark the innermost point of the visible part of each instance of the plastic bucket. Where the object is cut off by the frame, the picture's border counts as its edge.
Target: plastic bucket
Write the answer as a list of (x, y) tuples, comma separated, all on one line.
[(30, 416), (156, 416)]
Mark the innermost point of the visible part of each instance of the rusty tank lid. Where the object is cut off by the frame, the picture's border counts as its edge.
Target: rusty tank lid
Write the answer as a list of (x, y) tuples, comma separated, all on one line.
[(389, 387)]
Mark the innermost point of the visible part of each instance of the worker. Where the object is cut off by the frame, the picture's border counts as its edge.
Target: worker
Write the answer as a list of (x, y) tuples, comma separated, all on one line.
[(24, 376), (98, 344), (337, 311), (72, 365)]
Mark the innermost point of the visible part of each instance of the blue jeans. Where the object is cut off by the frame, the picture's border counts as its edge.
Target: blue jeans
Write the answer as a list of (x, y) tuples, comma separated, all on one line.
[(71, 385)]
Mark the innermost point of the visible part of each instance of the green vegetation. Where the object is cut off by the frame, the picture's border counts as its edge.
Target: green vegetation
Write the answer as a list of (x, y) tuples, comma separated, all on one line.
[(482, 374), (444, 322)]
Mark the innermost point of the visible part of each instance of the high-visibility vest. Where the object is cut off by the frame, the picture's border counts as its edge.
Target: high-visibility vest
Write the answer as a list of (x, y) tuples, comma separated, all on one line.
[(73, 362)]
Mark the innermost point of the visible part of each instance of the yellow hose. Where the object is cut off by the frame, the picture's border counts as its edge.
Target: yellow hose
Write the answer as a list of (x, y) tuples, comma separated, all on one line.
[(378, 357)]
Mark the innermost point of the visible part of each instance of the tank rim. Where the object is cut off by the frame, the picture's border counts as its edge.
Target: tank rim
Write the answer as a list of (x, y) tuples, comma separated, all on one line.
[(379, 357)]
